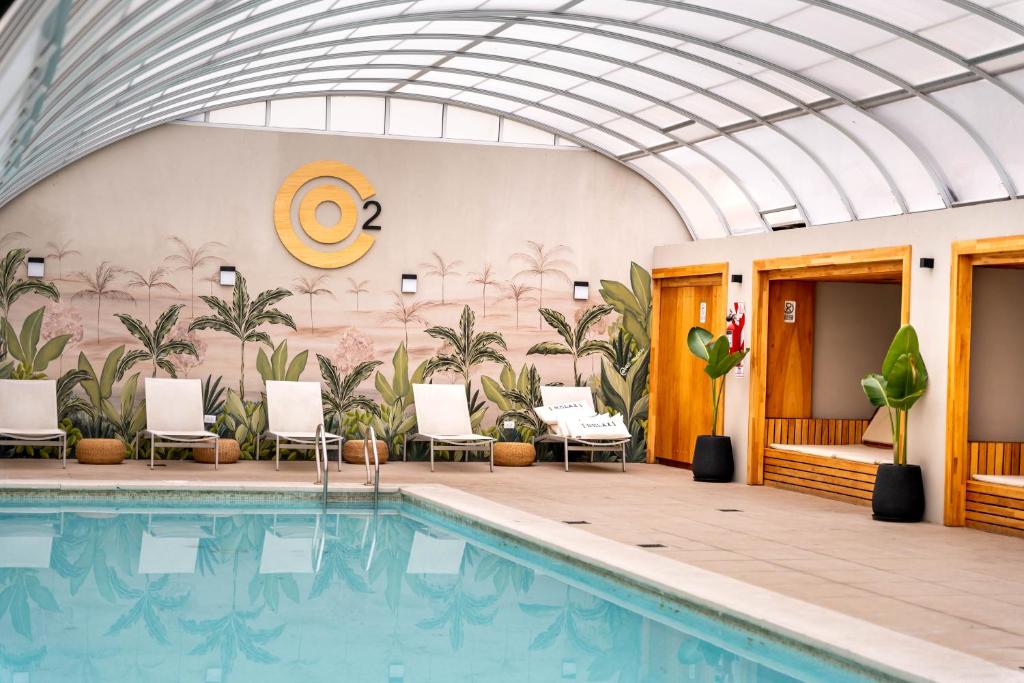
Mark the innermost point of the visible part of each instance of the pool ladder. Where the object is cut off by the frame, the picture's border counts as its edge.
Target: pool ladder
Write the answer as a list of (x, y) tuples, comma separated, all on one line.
[(323, 465)]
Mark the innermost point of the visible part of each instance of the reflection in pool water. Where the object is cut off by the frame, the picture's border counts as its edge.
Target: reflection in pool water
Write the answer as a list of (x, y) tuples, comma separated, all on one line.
[(296, 595)]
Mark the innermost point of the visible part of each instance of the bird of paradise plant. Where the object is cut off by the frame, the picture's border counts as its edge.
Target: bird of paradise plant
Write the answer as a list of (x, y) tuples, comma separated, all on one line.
[(339, 391), (243, 317), (13, 287)]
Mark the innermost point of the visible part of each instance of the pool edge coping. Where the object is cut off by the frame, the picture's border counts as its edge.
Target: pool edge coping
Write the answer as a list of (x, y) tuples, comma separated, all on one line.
[(869, 645)]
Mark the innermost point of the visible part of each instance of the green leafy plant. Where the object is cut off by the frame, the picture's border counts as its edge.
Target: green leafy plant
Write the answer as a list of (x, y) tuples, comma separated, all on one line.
[(242, 421), (30, 359), (213, 395), (13, 287), (395, 418), (99, 387), (574, 340), (242, 318), (129, 417), (903, 380), (277, 367), (469, 348), (515, 396), (718, 361), (157, 345), (339, 391), (633, 303), (627, 394)]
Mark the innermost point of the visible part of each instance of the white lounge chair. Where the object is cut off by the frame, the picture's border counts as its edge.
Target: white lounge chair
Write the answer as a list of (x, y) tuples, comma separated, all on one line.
[(174, 418), (293, 546), (294, 411), (574, 423), (28, 415), (27, 542), (431, 555), (442, 418)]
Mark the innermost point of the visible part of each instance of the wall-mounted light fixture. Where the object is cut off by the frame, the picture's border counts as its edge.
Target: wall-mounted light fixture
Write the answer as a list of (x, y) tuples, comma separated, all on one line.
[(36, 266), (927, 262), (580, 290), (736, 278), (408, 283), (227, 276)]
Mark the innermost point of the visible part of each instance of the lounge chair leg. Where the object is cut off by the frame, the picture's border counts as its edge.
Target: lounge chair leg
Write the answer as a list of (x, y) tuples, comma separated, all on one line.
[(623, 457), (405, 447), (257, 448), (431, 455), (277, 454), (341, 445), (64, 452), (135, 446), (216, 454), (565, 442), (152, 451), (491, 449)]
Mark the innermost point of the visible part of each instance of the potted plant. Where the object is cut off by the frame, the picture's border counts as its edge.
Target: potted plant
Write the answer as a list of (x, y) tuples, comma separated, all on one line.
[(712, 454), (899, 489)]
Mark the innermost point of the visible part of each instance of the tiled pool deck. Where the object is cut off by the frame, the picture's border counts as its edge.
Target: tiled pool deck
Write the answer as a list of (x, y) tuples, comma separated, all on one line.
[(959, 588)]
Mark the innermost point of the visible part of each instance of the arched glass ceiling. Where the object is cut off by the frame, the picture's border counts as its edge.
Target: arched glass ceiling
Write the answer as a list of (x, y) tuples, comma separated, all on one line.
[(748, 115)]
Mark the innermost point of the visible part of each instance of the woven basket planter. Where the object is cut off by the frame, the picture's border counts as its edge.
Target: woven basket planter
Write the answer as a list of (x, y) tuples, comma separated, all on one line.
[(100, 451), (229, 453), (352, 452), (514, 454)]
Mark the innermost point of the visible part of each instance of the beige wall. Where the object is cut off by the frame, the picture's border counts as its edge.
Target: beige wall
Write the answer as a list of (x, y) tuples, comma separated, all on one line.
[(929, 234), (854, 322), (473, 204), (996, 411)]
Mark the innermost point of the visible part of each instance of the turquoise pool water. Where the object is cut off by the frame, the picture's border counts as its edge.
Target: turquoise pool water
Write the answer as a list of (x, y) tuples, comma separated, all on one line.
[(291, 593)]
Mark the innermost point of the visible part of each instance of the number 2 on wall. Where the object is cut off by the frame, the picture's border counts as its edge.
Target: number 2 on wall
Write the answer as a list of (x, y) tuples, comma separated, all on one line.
[(368, 223)]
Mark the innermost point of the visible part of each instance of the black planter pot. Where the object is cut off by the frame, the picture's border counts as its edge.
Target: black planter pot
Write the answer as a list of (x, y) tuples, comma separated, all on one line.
[(712, 459), (898, 494)]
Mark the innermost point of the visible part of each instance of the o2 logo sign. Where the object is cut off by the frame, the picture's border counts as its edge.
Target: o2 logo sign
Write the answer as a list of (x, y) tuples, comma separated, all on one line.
[(298, 196)]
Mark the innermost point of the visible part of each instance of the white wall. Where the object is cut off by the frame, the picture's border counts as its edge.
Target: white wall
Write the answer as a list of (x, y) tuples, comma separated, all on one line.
[(996, 411), (929, 234), (854, 322)]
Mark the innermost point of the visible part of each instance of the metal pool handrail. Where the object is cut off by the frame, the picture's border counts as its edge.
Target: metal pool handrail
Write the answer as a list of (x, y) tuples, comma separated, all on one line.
[(376, 465), (320, 444)]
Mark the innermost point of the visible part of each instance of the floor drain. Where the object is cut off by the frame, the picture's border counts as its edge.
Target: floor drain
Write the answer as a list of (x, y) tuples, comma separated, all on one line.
[(651, 545), (576, 521), (729, 510)]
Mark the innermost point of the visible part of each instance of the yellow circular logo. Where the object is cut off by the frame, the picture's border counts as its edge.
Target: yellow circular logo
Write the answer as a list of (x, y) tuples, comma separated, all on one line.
[(288, 230)]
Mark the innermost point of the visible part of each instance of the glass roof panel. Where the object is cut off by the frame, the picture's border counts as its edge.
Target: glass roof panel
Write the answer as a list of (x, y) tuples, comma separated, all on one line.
[(910, 62), (645, 135), (520, 133), (467, 124), (739, 213), (699, 215), (299, 112), (912, 15), (835, 29), (759, 180), (415, 118), (972, 36), (357, 114)]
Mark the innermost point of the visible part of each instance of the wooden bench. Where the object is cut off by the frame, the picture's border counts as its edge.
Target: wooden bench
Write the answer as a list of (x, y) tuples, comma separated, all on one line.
[(993, 506), (827, 477)]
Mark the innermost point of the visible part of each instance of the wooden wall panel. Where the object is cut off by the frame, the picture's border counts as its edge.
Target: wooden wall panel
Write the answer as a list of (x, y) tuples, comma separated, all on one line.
[(995, 457), (682, 404), (790, 357), (814, 430)]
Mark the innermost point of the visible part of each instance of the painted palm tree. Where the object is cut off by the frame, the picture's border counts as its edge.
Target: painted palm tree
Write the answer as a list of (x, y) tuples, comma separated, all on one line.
[(157, 344), (468, 348), (156, 278), (243, 317), (100, 285), (213, 279), (149, 602), (405, 313), (484, 278), (339, 391), (343, 559), (190, 258), (357, 287), (440, 268), (13, 287), (233, 633), (544, 262), (574, 340), (9, 237), (455, 607), (519, 293), (311, 287), (21, 588), (60, 251)]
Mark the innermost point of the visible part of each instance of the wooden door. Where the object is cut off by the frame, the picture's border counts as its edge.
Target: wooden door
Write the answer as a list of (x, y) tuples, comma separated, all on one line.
[(682, 401)]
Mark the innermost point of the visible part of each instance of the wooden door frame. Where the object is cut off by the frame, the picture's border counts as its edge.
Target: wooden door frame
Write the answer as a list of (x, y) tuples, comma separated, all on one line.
[(965, 256), (696, 273), (864, 265)]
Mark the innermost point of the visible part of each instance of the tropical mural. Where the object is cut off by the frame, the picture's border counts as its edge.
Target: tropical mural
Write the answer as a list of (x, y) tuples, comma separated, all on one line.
[(503, 330), (200, 595)]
